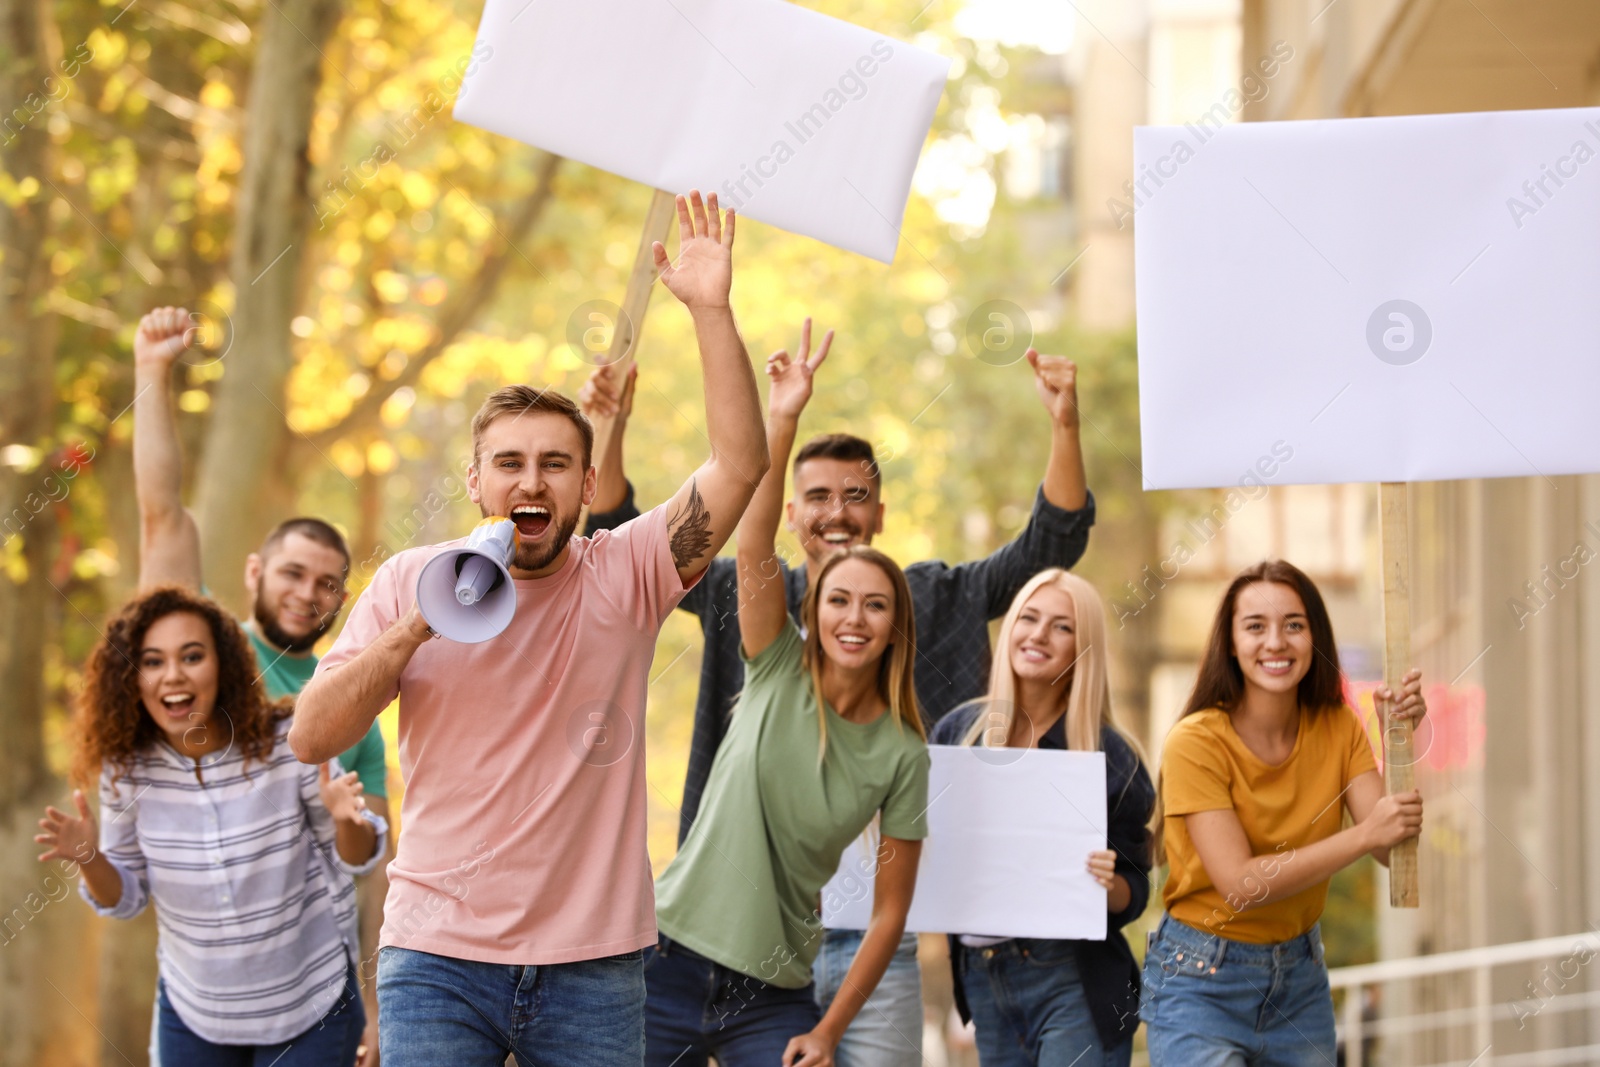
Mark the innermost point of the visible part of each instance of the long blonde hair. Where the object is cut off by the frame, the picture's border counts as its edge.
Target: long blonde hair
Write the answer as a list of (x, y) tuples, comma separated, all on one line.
[(895, 683), (1089, 693)]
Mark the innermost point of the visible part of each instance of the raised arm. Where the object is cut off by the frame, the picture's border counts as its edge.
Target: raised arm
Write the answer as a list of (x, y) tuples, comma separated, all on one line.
[(1057, 531), (702, 514), (169, 540), (763, 601), (1056, 379)]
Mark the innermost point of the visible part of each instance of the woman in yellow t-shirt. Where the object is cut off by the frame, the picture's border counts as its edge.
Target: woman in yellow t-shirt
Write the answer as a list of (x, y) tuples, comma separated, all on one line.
[(1252, 779)]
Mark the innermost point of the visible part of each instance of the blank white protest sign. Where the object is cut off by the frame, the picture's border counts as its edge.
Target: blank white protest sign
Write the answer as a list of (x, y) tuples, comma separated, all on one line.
[(1009, 836), (1386, 299), (792, 117)]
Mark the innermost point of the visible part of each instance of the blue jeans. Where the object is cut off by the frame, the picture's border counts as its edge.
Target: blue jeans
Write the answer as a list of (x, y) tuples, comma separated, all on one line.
[(436, 1010), (1028, 1007), (697, 1008), (887, 1032), (1212, 1002), (334, 1040)]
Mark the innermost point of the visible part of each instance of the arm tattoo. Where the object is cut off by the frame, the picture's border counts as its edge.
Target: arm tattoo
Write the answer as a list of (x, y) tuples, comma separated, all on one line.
[(691, 530)]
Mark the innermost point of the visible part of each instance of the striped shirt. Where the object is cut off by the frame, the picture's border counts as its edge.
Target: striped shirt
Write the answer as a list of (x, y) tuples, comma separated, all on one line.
[(256, 911)]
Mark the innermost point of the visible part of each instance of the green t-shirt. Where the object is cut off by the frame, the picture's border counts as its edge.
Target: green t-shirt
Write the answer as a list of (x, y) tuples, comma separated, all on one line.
[(743, 890), (285, 676)]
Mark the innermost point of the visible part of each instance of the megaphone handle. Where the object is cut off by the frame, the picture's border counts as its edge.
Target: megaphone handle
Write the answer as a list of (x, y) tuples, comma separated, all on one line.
[(475, 580)]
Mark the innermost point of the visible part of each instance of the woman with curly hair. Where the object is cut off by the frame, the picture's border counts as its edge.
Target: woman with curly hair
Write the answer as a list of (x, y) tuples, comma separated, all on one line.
[(245, 851)]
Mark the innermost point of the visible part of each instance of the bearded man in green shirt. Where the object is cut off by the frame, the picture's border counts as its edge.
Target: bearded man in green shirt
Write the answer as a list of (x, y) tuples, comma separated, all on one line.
[(296, 580)]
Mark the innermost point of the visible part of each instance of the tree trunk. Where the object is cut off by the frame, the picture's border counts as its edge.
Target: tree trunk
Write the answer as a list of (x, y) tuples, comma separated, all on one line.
[(31, 959), (27, 402), (249, 434)]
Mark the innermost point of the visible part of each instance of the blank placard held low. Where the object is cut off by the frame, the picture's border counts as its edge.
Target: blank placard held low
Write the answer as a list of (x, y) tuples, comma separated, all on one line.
[(1009, 836)]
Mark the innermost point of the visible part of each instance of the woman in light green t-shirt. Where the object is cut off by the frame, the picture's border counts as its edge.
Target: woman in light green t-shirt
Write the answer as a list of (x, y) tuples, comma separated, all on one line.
[(825, 738)]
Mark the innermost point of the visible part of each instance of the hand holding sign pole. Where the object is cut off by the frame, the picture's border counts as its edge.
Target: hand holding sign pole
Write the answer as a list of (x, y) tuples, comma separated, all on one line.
[(630, 318)]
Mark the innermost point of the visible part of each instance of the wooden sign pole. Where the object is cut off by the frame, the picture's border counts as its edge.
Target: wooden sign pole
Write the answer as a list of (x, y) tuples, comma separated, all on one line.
[(630, 323), (1399, 754)]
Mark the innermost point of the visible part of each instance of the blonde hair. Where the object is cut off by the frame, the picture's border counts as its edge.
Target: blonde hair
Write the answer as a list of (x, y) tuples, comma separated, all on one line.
[(895, 683), (1089, 693)]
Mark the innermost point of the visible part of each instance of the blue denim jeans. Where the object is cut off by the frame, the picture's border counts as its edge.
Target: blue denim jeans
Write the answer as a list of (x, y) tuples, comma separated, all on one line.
[(697, 1008), (334, 1040), (887, 1032), (1028, 1007), (1212, 1002), (435, 1010)]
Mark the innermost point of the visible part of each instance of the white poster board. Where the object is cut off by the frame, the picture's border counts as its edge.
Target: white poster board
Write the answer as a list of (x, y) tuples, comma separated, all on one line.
[(791, 117), (1368, 300), (1009, 836)]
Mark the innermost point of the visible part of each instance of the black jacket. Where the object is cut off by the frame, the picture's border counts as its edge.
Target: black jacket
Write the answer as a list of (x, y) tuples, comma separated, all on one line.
[(1108, 970)]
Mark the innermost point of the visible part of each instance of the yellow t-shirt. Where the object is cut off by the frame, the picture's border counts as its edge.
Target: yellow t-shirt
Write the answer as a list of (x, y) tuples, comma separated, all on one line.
[(1206, 767)]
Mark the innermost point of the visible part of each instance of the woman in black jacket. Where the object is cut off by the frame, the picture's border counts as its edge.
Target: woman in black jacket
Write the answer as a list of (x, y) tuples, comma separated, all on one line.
[(1049, 1003)]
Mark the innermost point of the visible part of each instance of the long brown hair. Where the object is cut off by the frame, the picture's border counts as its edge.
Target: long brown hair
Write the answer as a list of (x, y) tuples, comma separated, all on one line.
[(112, 725), (1220, 683), (895, 683)]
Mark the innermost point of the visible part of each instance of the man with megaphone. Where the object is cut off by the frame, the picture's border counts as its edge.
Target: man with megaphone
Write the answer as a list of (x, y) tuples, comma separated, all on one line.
[(521, 897)]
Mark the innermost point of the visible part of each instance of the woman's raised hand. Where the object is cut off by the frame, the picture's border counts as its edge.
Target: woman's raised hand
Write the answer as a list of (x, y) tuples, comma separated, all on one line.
[(69, 838), (791, 378)]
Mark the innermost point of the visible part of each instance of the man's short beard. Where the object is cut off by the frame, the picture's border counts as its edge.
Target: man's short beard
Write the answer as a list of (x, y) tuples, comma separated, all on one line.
[(280, 638), (535, 557)]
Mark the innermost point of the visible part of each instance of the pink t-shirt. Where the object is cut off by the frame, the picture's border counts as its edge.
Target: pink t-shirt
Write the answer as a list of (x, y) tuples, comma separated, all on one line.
[(523, 822)]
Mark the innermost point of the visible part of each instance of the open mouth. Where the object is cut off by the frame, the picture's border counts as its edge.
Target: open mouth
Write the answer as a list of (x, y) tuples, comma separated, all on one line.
[(1034, 655), (1276, 666), (837, 536), (531, 520), (852, 642), (178, 705)]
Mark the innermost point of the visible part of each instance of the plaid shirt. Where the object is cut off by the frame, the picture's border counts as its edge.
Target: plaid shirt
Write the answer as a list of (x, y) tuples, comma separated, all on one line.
[(952, 605)]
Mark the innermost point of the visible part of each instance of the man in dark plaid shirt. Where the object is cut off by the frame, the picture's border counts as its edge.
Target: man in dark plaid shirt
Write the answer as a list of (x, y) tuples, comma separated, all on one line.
[(835, 505)]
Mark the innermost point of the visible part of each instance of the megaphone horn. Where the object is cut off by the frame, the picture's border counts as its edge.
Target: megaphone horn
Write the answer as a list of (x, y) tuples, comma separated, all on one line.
[(466, 593)]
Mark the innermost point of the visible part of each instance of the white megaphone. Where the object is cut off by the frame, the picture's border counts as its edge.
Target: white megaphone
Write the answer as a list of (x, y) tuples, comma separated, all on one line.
[(466, 593)]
